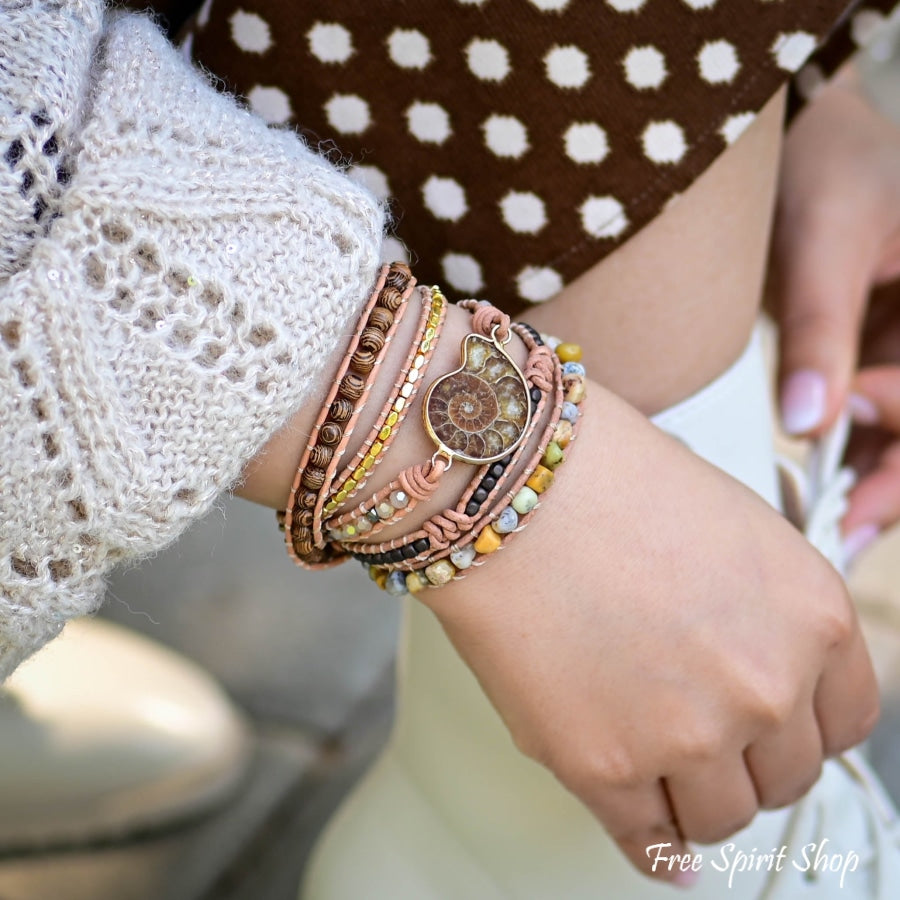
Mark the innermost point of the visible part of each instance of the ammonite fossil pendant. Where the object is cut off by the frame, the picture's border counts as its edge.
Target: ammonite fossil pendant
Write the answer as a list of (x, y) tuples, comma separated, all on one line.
[(480, 412)]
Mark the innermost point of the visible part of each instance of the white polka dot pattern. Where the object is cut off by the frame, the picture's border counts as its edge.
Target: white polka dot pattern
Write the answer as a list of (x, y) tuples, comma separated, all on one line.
[(250, 32), (645, 67), (505, 136), (515, 157), (330, 43)]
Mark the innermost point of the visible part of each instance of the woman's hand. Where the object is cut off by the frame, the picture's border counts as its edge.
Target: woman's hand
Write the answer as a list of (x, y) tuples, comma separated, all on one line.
[(664, 642), (837, 236)]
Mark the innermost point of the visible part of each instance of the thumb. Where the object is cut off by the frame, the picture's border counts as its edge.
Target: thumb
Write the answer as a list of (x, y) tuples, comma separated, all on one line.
[(820, 283)]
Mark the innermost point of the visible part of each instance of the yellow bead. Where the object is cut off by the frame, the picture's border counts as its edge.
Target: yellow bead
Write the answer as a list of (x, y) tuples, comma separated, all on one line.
[(573, 385), (379, 576), (359, 474), (540, 479), (330, 507), (368, 462), (415, 582), (340, 497), (488, 541), (392, 418), (429, 334), (349, 485), (569, 353), (376, 448)]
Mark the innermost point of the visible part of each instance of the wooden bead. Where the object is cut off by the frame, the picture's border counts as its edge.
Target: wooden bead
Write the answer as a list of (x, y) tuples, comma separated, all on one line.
[(303, 546), (372, 339), (307, 500), (352, 386), (382, 319), (390, 299), (313, 478), (398, 275), (363, 361), (330, 433), (341, 410), (320, 455), (304, 517)]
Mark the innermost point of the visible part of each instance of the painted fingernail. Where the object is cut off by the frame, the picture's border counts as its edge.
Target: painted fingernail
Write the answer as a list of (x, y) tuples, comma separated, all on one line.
[(862, 410), (858, 540), (803, 401), (686, 879)]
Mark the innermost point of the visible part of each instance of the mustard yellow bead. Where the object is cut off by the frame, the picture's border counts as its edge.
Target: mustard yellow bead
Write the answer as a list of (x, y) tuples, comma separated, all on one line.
[(563, 433), (488, 541), (379, 576), (569, 353), (540, 479), (553, 455), (415, 582)]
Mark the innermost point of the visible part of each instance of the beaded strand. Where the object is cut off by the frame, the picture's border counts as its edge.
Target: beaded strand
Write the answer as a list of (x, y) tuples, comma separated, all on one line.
[(340, 412)]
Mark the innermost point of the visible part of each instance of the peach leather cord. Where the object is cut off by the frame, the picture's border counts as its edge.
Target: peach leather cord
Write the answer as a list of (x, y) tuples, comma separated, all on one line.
[(471, 551), (341, 409), (419, 482), (446, 527), (394, 411)]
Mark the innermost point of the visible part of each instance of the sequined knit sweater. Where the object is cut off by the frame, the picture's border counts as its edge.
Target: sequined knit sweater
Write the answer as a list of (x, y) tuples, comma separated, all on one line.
[(174, 276)]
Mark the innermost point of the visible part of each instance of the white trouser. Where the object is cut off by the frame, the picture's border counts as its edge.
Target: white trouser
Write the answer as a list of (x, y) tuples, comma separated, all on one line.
[(451, 810)]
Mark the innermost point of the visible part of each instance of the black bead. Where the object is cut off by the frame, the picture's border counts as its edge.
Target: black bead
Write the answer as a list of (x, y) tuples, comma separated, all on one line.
[(488, 483), (408, 552), (472, 508), (497, 469), (536, 394), (396, 555), (421, 545), (480, 496)]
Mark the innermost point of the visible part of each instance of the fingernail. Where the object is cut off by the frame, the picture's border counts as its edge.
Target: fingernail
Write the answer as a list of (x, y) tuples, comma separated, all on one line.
[(862, 410), (858, 540), (803, 401), (686, 879)]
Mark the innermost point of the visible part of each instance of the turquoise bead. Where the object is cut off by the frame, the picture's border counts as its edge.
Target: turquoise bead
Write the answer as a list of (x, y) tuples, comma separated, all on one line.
[(524, 501)]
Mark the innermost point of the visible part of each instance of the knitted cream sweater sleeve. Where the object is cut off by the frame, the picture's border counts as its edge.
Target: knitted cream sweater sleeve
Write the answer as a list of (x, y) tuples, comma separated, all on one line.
[(174, 278)]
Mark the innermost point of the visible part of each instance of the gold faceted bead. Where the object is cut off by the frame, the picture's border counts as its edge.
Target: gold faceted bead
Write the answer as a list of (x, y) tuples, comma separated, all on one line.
[(440, 572), (489, 541), (569, 353), (540, 479)]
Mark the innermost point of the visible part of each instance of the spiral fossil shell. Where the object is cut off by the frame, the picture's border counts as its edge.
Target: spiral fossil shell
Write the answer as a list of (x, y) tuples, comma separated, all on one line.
[(480, 412)]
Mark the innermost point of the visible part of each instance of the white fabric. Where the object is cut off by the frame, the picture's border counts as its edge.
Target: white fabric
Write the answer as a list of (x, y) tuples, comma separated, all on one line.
[(173, 274)]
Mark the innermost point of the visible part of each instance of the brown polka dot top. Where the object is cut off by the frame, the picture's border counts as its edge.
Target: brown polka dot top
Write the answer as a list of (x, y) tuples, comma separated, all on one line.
[(520, 141)]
